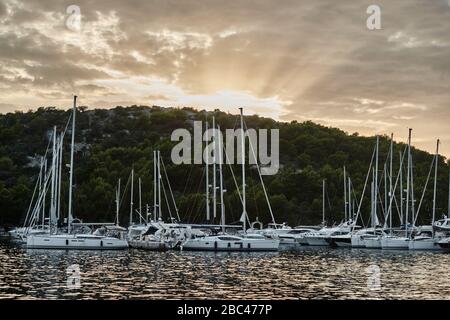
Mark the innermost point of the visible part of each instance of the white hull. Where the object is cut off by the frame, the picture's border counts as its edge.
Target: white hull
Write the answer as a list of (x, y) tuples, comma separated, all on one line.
[(357, 242), (149, 245), (343, 242), (302, 241), (242, 244), (372, 243), (444, 244), (317, 241), (293, 241), (398, 243), (75, 242), (288, 241), (424, 244)]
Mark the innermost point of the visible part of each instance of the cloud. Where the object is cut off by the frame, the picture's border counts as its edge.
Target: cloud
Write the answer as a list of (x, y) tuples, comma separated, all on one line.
[(294, 59)]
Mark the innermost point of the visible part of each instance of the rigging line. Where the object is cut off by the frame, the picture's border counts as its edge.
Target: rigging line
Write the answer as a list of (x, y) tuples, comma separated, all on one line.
[(235, 183), (39, 204), (382, 207), (187, 180), (424, 189), (170, 189), (352, 188), (260, 177), (396, 206), (140, 215), (192, 204), (353, 191), (399, 209), (199, 204), (397, 179), (194, 210), (38, 182), (167, 201), (358, 212), (125, 191), (234, 177), (37, 207)]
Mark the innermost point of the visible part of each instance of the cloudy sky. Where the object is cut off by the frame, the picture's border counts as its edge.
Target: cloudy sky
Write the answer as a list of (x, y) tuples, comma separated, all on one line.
[(290, 59)]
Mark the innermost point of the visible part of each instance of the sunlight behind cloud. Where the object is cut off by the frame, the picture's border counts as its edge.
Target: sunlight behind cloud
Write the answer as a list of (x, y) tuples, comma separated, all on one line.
[(154, 91)]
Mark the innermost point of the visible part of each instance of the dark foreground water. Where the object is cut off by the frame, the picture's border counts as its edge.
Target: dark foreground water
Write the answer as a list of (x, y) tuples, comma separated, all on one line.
[(308, 273)]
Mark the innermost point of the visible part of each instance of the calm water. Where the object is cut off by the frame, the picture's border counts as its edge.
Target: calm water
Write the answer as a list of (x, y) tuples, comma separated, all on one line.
[(307, 273)]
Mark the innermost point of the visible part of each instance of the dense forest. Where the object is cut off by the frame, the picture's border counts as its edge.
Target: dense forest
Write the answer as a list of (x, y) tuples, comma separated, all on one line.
[(110, 142)]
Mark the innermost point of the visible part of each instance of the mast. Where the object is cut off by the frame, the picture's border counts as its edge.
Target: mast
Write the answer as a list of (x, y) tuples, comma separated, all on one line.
[(207, 174), (373, 200), (159, 185), (40, 190), (60, 174), (140, 202), (244, 204), (72, 148), (385, 192), (413, 202), (401, 187), (117, 202), (391, 153), (375, 193), (131, 197), (155, 191), (350, 215), (45, 193), (222, 205), (53, 184), (434, 191), (214, 170), (323, 202), (448, 209), (345, 196), (408, 182)]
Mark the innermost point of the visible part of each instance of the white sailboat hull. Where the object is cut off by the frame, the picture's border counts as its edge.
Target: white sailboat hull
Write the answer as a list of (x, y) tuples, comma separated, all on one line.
[(444, 244), (293, 240), (75, 242), (423, 244), (342, 241), (397, 243), (204, 244), (358, 242), (372, 243), (288, 241), (317, 241), (302, 241), (149, 245)]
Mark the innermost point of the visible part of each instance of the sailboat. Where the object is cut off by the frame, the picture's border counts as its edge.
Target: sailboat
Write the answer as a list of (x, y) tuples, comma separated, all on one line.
[(373, 240), (369, 237), (72, 239), (400, 239), (428, 238), (157, 235), (228, 242), (323, 236), (444, 244), (344, 237)]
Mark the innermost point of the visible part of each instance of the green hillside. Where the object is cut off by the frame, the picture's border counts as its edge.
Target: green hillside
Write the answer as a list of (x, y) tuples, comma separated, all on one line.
[(110, 142)]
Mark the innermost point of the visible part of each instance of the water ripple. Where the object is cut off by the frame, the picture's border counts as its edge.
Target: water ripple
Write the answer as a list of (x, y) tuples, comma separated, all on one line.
[(309, 273)]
